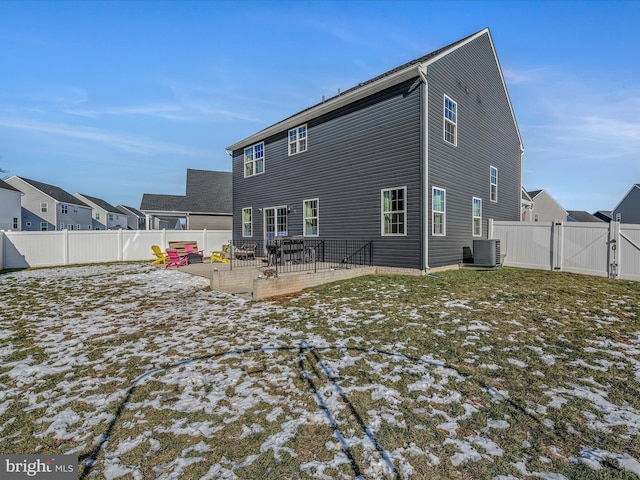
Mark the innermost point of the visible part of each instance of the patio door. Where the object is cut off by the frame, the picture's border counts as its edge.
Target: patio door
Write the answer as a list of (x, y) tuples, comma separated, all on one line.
[(275, 223)]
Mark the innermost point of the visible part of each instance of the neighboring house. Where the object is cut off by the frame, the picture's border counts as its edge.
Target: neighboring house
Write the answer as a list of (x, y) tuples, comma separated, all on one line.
[(47, 207), (206, 205), (10, 207), (136, 220), (546, 208), (415, 160), (604, 215), (628, 210), (105, 215), (526, 207), (581, 216)]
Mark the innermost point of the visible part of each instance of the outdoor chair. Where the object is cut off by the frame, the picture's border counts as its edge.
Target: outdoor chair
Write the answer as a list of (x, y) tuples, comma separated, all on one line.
[(175, 260), (221, 255), (190, 250), (246, 251), (161, 257)]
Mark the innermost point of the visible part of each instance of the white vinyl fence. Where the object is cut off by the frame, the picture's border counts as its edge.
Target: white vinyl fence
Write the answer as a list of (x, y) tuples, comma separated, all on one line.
[(603, 249), (65, 247)]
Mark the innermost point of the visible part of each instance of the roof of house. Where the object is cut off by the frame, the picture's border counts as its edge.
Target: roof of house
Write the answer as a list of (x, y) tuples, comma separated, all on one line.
[(534, 193), (581, 216), (207, 192), (392, 77), (525, 195), (6, 186), (100, 203), (633, 187), (55, 192), (127, 210)]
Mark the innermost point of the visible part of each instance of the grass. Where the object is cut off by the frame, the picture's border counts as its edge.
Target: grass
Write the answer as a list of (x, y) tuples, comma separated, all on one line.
[(145, 373)]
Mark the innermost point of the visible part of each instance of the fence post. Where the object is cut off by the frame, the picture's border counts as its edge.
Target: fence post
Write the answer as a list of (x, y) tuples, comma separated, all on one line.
[(557, 242), (614, 248), (120, 246), (2, 237), (65, 247)]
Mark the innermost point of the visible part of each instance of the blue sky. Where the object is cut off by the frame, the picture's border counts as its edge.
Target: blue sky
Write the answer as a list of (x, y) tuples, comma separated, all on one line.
[(116, 99)]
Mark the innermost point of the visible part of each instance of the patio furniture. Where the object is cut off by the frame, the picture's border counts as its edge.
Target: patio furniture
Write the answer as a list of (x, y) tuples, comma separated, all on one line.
[(161, 257), (193, 255), (246, 251), (221, 255), (175, 260)]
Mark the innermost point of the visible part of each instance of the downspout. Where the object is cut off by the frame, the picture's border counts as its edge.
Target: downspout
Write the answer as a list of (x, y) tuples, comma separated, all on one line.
[(424, 164)]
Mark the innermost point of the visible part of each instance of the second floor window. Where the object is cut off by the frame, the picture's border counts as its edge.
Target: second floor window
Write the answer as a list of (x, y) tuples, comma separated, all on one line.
[(450, 121), (298, 140), (44, 207), (97, 216), (64, 209), (15, 223), (254, 160)]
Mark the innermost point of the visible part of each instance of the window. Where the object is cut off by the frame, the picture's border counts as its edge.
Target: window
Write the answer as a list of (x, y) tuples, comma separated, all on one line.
[(28, 224), (247, 224), (44, 226), (494, 184), (61, 226), (439, 211), (311, 215), (450, 121), (536, 217), (78, 227), (477, 217), (298, 140), (275, 222), (44, 207), (64, 208), (15, 223), (254, 160), (394, 211), (111, 217), (97, 216)]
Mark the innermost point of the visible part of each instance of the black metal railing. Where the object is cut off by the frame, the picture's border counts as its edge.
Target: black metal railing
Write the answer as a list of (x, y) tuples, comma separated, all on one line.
[(297, 254)]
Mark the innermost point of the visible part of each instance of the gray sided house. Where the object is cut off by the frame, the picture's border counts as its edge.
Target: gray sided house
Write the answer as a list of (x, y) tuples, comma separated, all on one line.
[(105, 215), (10, 207), (206, 205), (629, 207), (136, 220), (545, 207), (47, 207), (415, 160)]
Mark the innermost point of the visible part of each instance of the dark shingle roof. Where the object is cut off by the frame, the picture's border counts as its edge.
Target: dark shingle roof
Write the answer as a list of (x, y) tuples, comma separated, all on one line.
[(101, 203), (581, 216), (533, 193), (55, 192), (6, 186), (127, 210), (207, 192)]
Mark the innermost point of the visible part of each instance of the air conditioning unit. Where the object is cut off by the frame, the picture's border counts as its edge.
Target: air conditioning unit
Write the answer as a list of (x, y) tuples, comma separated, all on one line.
[(486, 252)]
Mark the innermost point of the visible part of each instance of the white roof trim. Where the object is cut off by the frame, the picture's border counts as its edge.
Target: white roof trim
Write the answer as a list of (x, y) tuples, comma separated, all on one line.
[(635, 185)]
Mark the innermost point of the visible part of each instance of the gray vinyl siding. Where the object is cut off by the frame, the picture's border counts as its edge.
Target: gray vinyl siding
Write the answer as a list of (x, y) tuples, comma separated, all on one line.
[(629, 207), (352, 154), (487, 136)]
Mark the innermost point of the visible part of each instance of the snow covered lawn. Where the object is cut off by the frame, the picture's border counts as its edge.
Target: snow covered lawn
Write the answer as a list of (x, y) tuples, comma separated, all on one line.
[(147, 373)]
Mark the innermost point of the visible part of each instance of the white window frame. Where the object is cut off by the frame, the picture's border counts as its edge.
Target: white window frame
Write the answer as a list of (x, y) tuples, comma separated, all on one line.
[(44, 207), (61, 225), (476, 225), (78, 227), (297, 140), (393, 212), (64, 209), (450, 118), (251, 159), (435, 212), (44, 227), (97, 215), (110, 217), (493, 184), (313, 218), (248, 224), (15, 223)]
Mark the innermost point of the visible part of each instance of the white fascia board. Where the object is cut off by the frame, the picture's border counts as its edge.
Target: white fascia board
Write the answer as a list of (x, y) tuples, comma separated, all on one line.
[(329, 106)]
